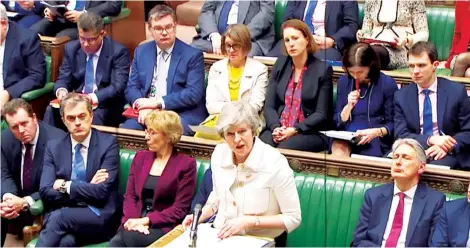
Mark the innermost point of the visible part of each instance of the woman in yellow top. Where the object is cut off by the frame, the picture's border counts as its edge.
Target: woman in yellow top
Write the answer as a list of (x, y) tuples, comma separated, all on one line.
[(234, 78)]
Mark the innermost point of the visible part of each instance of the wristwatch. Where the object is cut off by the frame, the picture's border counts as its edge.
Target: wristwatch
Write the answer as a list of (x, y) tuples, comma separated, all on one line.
[(62, 188)]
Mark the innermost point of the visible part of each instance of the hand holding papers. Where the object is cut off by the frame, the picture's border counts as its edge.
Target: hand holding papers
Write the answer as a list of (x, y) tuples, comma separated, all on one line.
[(57, 10), (342, 135)]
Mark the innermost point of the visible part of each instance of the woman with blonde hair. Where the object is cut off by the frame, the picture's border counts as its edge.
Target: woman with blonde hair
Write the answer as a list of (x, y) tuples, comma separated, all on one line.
[(234, 78)]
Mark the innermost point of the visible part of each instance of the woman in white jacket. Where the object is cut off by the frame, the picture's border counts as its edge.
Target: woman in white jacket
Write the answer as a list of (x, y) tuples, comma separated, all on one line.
[(234, 78)]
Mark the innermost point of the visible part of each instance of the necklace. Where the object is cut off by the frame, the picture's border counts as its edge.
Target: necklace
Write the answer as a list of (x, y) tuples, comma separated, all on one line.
[(365, 94)]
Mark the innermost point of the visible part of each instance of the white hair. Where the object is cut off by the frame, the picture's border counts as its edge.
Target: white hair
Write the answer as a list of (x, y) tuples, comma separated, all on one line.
[(3, 12), (421, 154), (237, 113)]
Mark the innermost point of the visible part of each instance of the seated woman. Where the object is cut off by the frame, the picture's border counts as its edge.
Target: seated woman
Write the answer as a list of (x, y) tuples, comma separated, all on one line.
[(151, 211), (28, 11), (368, 111), (300, 93), (333, 25), (400, 23), (254, 192), (234, 78), (459, 57)]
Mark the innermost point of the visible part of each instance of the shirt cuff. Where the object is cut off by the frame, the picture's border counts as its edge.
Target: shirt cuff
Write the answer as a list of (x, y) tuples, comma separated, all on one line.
[(61, 89), (94, 98), (212, 35), (67, 186), (161, 102), (29, 200)]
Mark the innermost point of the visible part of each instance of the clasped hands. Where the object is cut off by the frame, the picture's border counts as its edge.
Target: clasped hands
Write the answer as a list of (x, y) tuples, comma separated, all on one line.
[(323, 42), (100, 176), (71, 15), (11, 206), (138, 225), (440, 146), (399, 42), (145, 106), (231, 227), (283, 133)]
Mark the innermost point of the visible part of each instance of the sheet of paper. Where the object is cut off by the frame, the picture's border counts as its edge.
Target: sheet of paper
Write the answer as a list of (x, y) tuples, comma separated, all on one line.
[(204, 129), (57, 10), (207, 237), (11, 14), (344, 135)]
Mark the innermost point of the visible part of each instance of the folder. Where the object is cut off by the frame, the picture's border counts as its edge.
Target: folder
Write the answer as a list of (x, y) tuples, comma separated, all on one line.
[(131, 113)]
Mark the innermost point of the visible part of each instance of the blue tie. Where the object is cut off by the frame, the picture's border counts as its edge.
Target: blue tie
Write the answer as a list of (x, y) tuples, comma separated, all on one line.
[(89, 75), (79, 172), (309, 15), (427, 114), (223, 18), (80, 5)]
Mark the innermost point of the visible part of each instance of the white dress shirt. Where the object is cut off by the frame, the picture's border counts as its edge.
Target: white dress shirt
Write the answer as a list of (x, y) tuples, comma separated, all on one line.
[(433, 98), (160, 75), (2, 56), (409, 196), (33, 151), (318, 18), (83, 151), (262, 186), (233, 14)]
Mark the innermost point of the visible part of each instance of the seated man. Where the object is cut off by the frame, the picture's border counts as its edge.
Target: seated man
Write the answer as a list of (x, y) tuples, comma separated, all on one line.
[(216, 16), (204, 190), (28, 11), (333, 25), (22, 154), (453, 227), (66, 25), (403, 213), (79, 182), (435, 111), (97, 66), (166, 74), (22, 60)]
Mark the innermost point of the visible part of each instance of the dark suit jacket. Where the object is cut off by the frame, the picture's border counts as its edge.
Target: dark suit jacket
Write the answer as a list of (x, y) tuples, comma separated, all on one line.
[(185, 81), (101, 8), (37, 10), (103, 153), (11, 160), (454, 222), (453, 116), (341, 20), (172, 197), (112, 71), (24, 65), (425, 211), (204, 189), (316, 97)]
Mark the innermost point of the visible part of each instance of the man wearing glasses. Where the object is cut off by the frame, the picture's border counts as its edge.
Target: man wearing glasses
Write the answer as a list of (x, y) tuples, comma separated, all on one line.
[(166, 74), (96, 66)]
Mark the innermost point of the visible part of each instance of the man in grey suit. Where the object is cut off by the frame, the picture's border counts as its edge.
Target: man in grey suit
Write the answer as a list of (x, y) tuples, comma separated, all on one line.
[(217, 15)]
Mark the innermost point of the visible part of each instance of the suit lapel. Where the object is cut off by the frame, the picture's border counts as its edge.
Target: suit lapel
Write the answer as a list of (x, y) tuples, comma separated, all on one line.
[(166, 175), (67, 158), (309, 89), (81, 56), (93, 147), (10, 45), (441, 104), (463, 225), (302, 5), (150, 66), (419, 203), (87, 4), (101, 66), (412, 107), (175, 59), (243, 7), (144, 174), (328, 8), (40, 148), (223, 77), (285, 78), (384, 209)]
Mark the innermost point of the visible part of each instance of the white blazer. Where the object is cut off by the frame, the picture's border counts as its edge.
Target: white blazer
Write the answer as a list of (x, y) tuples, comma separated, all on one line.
[(252, 86)]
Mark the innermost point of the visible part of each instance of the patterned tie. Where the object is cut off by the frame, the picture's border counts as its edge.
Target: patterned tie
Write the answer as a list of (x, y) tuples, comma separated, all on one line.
[(28, 168), (397, 225), (89, 75), (427, 114), (309, 15)]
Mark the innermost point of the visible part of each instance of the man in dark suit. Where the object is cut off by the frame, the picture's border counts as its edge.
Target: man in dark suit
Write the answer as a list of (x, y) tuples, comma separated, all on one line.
[(404, 213), (97, 66), (27, 12), (22, 64), (79, 182), (216, 16), (66, 25), (22, 154), (333, 25), (166, 74), (452, 230), (434, 111)]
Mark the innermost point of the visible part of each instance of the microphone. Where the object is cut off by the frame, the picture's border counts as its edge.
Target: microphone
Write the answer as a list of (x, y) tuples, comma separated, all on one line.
[(193, 233)]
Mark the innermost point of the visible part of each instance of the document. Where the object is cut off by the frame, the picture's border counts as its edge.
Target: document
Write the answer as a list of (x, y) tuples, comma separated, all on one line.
[(11, 14), (204, 129), (343, 135), (207, 237), (57, 10)]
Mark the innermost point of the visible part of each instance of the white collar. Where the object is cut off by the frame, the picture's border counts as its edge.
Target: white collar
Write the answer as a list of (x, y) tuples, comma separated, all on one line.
[(85, 143), (35, 140), (410, 193), (252, 161), (169, 50), (433, 87), (97, 54)]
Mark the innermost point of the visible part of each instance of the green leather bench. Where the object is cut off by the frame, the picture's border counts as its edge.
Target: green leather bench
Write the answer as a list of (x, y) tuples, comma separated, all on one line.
[(330, 206)]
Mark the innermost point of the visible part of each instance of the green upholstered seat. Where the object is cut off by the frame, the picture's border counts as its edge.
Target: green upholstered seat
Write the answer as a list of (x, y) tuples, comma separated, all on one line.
[(280, 8), (125, 12), (47, 89)]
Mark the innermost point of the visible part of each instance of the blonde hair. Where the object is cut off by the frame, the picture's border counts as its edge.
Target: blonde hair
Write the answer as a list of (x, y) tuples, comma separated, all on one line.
[(167, 122)]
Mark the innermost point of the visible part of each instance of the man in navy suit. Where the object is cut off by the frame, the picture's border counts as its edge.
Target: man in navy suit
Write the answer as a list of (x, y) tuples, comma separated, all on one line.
[(166, 74), (28, 12), (22, 154), (66, 25), (435, 111), (79, 182), (452, 230), (403, 213), (22, 62), (97, 66), (333, 25)]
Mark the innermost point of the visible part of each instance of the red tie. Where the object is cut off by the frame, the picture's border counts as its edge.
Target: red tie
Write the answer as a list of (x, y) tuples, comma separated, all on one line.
[(397, 225)]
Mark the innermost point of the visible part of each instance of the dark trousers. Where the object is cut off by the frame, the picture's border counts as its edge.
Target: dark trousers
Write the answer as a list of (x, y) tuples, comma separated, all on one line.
[(67, 227), (17, 224), (125, 238), (101, 116), (281, 240), (56, 28), (301, 142)]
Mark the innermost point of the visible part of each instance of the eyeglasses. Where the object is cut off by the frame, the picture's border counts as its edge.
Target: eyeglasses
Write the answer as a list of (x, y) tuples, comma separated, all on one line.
[(152, 132), (89, 40), (235, 47), (168, 28)]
